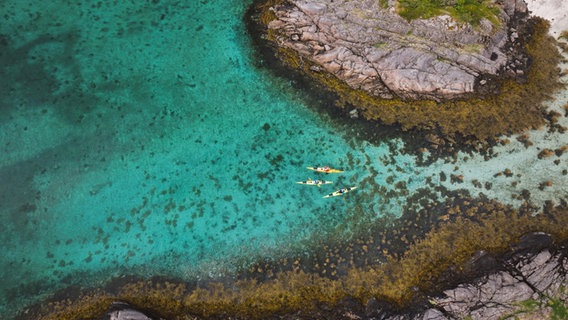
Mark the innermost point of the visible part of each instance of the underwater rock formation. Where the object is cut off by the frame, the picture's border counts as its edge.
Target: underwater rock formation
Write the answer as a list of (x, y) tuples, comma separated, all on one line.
[(369, 46)]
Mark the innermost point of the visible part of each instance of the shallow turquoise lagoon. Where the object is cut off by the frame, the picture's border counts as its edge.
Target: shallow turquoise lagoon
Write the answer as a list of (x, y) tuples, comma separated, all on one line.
[(138, 138)]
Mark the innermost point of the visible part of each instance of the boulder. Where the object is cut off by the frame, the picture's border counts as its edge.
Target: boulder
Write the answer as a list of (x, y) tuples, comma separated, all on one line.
[(123, 311)]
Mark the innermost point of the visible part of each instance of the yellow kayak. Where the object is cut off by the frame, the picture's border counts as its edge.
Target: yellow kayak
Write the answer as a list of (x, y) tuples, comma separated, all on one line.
[(325, 169), (339, 192)]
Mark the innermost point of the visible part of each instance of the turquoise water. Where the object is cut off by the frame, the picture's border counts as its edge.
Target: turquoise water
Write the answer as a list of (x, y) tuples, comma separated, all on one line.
[(139, 139)]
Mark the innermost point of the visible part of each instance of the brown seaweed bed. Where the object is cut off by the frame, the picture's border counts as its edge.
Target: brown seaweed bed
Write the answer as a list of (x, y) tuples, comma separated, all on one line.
[(399, 263)]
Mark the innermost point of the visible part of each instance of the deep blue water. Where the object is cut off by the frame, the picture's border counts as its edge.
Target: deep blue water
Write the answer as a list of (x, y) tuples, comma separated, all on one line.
[(138, 138)]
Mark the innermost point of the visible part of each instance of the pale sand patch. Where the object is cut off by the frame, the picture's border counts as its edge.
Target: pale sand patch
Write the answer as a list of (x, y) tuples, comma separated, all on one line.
[(555, 11)]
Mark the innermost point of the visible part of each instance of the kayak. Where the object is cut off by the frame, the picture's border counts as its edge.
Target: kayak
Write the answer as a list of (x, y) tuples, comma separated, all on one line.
[(314, 182), (324, 169), (339, 192)]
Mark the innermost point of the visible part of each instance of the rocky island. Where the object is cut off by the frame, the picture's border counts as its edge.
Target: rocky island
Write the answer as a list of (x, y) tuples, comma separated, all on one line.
[(372, 48), (481, 71)]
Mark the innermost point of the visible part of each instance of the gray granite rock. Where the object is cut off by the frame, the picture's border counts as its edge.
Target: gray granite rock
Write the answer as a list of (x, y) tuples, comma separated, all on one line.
[(128, 315), (123, 311), (534, 269), (433, 314), (374, 49), (526, 276)]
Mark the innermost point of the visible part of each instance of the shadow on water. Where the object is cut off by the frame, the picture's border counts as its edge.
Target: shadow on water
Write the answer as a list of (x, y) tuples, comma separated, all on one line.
[(42, 78), (33, 73), (19, 193), (30, 80)]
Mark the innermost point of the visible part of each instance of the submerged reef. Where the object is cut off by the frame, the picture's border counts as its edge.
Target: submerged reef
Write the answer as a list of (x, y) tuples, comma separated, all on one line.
[(399, 268), (509, 68)]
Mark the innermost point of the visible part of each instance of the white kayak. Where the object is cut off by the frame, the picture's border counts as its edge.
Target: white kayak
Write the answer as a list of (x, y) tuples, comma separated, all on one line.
[(316, 182), (340, 192)]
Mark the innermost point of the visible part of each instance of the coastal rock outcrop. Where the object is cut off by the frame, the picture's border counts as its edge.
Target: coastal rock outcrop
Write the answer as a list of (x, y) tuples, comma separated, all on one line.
[(372, 48), (533, 278), (526, 282)]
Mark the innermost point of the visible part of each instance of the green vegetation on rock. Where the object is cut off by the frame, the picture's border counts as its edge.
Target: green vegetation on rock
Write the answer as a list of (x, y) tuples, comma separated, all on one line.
[(469, 11), (544, 307)]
